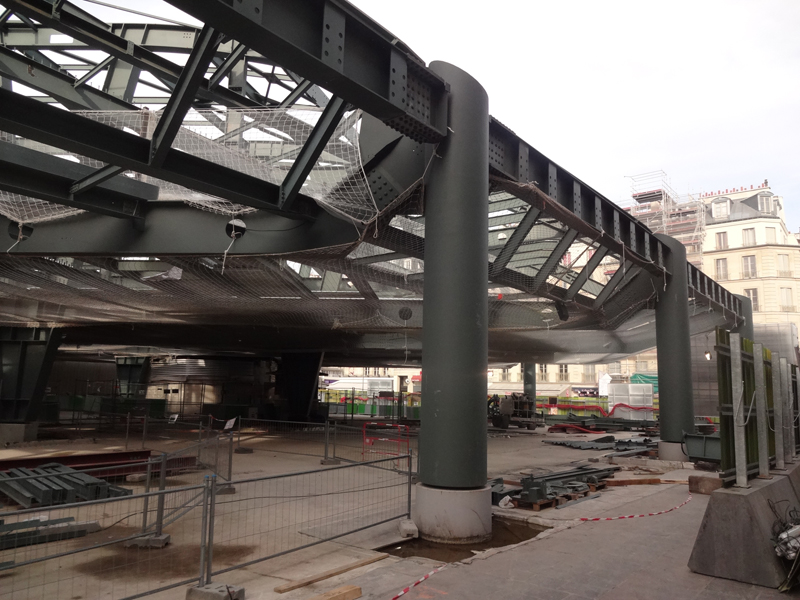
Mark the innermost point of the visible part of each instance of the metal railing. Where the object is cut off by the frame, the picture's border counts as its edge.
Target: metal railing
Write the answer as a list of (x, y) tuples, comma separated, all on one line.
[(784, 273), (119, 549), (788, 308)]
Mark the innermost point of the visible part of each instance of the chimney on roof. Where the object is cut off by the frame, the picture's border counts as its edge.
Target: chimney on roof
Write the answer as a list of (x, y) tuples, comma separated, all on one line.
[(751, 186)]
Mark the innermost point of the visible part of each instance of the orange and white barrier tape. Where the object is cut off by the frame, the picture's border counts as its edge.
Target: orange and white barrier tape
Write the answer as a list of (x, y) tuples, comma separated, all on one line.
[(661, 512)]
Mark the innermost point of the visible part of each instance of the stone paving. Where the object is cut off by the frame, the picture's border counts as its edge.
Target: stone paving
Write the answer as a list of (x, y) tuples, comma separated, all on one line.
[(641, 559)]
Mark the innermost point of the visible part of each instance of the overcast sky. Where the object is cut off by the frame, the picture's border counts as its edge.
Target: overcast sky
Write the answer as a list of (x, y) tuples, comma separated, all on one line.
[(706, 90)]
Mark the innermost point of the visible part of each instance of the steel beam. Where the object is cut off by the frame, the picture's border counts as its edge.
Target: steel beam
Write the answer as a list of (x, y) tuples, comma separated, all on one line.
[(103, 64), (552, 261), (183, 95), (612, 284), (340, 48), (39, 175), (57, 84), (95, 179), (513, 243), (96, 34), (176, 229), (228, 63), (311, 151), (37, 121), (586, 272)]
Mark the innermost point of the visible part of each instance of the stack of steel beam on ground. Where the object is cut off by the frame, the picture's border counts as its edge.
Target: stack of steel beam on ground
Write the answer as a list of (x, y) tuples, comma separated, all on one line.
[(552, 489), (42, 531), (54, 483)]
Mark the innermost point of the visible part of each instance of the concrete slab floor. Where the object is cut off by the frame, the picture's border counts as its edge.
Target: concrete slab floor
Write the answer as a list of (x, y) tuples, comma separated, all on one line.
[(637, 558)]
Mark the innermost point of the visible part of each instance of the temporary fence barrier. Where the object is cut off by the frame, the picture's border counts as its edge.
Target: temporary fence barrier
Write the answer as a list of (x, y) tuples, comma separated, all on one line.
[(116, 548)]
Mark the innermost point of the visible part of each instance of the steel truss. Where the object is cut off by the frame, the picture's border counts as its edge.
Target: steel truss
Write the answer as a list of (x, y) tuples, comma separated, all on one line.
[(283, 53)]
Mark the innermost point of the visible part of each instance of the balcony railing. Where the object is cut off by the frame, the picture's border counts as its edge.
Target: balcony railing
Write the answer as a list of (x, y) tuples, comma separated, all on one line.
[(562, 377), (756, 307), (748, 244), (785, 308), (722, 276), (750, 275), (542, 377), (784, 273), (589, 378)]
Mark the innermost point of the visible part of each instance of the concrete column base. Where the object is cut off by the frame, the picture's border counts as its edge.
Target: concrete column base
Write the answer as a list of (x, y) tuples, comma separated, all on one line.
[(453, 516), (672, 451), (14, 433)]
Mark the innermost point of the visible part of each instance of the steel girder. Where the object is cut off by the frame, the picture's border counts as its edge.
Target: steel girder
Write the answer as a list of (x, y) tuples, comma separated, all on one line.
[(341, 49), (34, 120), (30, 173), (173, 229)]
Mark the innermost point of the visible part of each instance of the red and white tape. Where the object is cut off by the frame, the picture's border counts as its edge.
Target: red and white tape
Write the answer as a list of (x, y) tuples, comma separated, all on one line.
[(661, 512), (416, 583)]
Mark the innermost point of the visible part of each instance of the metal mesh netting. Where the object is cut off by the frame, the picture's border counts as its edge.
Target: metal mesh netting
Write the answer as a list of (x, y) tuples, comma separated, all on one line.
[(262, 143)]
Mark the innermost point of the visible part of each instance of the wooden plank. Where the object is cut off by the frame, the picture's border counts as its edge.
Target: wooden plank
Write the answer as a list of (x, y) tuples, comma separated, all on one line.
[(288, 587), (643, 481), (346, 592)]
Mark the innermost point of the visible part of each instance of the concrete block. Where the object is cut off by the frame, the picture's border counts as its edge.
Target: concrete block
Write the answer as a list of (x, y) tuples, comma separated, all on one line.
[(14, 433), (215, 591), (408, 529), (453, 516), (242, 450), (330, 461), (734, 540), (136, 477), (150, 541), (701, 484), (226, 489)]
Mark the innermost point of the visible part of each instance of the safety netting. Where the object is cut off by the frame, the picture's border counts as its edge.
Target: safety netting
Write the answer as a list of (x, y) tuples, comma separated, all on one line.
[(263, 143)]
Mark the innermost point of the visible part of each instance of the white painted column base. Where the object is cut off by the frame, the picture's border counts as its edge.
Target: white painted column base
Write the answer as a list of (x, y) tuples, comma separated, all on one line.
[(453, 516), (671, 451)]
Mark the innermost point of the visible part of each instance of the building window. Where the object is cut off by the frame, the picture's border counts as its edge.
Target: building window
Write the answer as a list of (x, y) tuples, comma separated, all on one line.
[(722, 240), (563, 372), (641, 366), (765, 205), (749, 267), (749, 237), (787, 303), (783, 266), (721, 265), (615, 367), (771, 235), (753, 295), (542, 374), (589, 374), (720, 210)]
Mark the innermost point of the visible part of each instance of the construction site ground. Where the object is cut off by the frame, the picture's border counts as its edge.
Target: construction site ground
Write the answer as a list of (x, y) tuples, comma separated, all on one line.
[(641, 558)]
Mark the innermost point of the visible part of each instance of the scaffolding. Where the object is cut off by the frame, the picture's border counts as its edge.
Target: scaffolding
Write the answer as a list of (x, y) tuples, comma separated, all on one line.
[(658, 206)]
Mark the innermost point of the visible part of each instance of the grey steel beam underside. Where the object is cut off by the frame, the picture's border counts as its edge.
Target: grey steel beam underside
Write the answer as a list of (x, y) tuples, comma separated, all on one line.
[(618, 230), (95, 34), (173, 229), (30, 173), (57, 84), (34, 120), (341, 49), (183, 95)]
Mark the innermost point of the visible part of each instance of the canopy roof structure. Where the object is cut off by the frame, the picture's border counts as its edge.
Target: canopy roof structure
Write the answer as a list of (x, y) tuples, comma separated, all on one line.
[(258, 185)]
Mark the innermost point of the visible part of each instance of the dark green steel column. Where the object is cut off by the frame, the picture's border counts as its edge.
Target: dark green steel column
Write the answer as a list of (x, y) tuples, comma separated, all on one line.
[(746, 328), (529, 380), (676, 400), (455, 307)]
